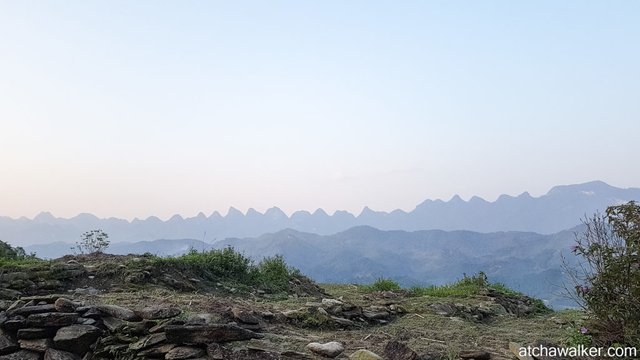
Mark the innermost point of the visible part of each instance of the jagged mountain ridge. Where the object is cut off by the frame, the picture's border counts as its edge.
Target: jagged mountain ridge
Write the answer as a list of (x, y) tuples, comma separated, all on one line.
[(561, 208)]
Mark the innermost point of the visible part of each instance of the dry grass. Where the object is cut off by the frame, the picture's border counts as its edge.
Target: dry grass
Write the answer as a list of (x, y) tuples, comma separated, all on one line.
[(421, 329)]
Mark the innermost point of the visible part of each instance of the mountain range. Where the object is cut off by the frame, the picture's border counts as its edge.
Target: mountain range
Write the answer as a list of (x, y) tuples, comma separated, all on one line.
[(525, 261), (559, 209)]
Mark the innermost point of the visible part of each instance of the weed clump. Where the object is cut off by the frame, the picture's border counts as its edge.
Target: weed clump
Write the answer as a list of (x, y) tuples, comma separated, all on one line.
[(382, 284)]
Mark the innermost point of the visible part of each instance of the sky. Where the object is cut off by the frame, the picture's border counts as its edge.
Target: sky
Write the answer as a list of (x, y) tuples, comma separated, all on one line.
[(138, 108)]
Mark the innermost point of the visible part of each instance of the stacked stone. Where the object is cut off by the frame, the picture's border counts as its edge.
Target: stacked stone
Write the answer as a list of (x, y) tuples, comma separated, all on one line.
[(43, 279), (57, 328)]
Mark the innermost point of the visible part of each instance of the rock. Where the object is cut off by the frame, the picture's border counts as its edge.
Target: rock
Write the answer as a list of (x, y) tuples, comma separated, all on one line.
[(38, 345), (52, 319), (9, 277), (444, 309), (289, 354), (216, 352), (547, 345), (65, 305), (54, 354), (28, 310), (515, 350), (328, 303), (156, 351), (86, 321), (16, 304), (156, 312), (342, 321), (148, 341), (330, 349), (475, 355), (119, 312), (36, 333), (113, 324), (14, 324), (136, 328), (204, 334), (22, 355), (378, 315), (399, 351), (364, 355), (7, 345), (247, 317), (184, 352), (91, 312), (76, 338)]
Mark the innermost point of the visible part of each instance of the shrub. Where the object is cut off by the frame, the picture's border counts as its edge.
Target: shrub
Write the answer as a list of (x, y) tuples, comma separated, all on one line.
[(218, 263), (383, 284), (606, 281), (94, 241), (273, 274), (7, 252)]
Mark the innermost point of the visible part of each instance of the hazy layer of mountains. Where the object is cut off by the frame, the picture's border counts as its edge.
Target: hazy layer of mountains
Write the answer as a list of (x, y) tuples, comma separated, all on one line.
[(526, 261), (561, 208)]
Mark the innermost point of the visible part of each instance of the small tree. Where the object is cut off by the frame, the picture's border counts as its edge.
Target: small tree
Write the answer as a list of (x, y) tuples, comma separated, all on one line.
[(606, 280), (12, 253), (94, 241)]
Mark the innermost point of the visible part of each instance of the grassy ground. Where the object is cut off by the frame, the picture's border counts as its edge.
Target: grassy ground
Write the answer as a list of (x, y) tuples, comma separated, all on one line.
[(423, 330)]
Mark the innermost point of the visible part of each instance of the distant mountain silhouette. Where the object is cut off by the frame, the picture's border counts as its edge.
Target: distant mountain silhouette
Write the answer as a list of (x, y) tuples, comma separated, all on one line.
[(526, 261), (561, 208)]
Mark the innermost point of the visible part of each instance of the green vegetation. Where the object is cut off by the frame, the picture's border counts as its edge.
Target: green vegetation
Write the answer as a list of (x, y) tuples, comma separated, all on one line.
[(465, 287), (382, 284), (271, 274), (15, 256), (607, 280)]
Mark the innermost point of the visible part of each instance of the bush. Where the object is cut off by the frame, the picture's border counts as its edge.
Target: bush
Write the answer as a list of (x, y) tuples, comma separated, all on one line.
[(91, 242), (221, 264), (273, 274), (383, 284), (606, 281)]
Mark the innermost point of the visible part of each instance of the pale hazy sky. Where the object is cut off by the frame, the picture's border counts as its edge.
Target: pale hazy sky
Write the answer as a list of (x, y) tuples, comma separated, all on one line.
[(138, 108)]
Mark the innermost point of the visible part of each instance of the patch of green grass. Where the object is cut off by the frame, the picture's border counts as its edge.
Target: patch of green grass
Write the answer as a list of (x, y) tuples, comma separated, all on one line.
[(20, 263), (382, 284), (228, 266), (450, 290), (465, 287)]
